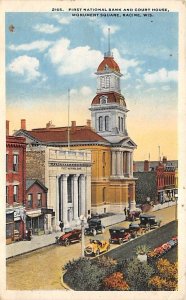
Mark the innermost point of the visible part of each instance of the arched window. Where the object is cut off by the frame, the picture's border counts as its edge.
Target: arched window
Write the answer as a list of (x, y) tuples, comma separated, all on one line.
[(107, 81), (100, 123), (102, 82), (107, 123)]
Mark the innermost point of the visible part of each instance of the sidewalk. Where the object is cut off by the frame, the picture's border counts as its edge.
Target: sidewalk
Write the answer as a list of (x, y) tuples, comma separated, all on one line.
[(38, 242)]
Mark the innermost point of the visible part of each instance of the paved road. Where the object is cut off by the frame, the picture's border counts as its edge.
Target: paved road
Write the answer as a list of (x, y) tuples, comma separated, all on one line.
[(152, 239), (41, 269)]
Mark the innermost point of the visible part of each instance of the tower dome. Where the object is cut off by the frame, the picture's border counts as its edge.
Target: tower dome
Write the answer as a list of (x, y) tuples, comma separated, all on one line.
[(108, 63)]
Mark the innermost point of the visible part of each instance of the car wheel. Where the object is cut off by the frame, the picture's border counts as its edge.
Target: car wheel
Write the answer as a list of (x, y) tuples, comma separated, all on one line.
[(67, 243), (94, 232)]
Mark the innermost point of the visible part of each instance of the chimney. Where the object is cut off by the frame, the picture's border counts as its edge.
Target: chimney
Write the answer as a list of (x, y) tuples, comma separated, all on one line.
[(73, 125), (164, 159), (23, 124), (88, 123), (7, 127), (146, 166)]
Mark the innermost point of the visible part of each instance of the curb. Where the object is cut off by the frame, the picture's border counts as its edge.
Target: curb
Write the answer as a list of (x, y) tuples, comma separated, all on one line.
[(66, 287)]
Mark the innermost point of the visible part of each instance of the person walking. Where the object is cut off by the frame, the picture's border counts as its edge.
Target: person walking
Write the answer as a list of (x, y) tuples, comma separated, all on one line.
[(61, 225)]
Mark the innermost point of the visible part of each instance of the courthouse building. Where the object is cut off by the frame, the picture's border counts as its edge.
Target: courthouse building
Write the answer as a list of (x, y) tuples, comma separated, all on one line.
[(106, 137)]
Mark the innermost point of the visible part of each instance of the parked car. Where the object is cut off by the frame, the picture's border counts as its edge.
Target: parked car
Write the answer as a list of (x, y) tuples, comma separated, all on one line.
[(134, 215), (95, 247), (135, 230), (119, 235), (149, 221), (94, 226), (69, 236)]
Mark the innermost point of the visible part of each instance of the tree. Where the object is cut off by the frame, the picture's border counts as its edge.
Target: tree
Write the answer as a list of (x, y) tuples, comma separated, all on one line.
[(84, 275), (137, 275)]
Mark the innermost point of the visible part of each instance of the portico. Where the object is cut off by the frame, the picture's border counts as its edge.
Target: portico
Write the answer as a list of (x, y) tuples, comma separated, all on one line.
[(122, 163)]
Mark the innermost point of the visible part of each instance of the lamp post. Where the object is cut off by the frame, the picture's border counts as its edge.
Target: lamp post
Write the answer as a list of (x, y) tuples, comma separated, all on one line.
[(83, 221)]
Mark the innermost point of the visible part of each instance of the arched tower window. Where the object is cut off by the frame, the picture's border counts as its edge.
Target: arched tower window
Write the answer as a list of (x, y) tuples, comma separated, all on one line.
[(107, 123), (100, 120), (102, 81), (107, 82)]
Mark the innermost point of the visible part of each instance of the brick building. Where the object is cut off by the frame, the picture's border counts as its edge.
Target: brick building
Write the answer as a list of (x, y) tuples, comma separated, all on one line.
[(156, 180), (15, 186), (36, 206)]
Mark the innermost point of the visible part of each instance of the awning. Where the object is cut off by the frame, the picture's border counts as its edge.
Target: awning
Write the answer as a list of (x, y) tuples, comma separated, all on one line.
[(33, 215), (9, 212)]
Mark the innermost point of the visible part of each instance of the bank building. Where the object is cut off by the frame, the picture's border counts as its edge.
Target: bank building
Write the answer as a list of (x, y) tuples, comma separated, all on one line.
[(106, 169)]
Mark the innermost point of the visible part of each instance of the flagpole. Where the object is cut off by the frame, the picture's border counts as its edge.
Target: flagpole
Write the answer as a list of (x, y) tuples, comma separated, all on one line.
[(68, 119)]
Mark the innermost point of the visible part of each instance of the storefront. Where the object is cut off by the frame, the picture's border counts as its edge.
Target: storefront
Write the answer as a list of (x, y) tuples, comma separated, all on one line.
[(9, 226), (15, 224), (35, 221)]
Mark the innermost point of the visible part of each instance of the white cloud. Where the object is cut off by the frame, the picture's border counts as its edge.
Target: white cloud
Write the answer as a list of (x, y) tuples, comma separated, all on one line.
[(63, 20), (113, 29), (41, 46), (72, 61), (25, 66), (86, 91), (161, 75), (46, 28), (165, 88), (124, 64)]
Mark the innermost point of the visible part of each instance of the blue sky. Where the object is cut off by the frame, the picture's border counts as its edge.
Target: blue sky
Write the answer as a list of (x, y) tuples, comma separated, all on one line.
[(50, 52)]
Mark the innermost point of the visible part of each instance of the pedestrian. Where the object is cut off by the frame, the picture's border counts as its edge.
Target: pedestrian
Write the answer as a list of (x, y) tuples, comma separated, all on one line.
[(125, 211), (29, 234), (61, 225)]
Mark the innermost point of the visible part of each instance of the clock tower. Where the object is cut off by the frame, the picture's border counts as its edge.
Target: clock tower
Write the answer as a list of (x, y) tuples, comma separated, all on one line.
[(108, 108)]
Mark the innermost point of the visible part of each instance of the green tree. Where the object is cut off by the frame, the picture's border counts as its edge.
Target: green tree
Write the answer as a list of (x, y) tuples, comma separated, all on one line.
[(84, 275), (138, 274)]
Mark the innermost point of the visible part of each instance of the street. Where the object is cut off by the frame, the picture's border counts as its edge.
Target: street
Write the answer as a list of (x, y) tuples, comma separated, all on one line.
[(41, 269)]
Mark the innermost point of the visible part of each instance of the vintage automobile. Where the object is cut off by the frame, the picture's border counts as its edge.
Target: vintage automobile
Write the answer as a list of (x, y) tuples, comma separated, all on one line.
[(149, 221), (135, 230), (134, 215), (95, 247), (119, 235), (69, 236), (94, 227)]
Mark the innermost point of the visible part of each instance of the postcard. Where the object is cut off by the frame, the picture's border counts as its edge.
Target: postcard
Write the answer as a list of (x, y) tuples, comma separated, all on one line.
[(93, 98)]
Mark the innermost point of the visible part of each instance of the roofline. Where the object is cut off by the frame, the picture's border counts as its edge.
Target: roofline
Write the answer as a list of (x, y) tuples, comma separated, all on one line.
[(38, 182)]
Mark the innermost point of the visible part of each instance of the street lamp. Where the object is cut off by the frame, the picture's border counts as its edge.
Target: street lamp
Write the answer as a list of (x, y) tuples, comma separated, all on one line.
[(83, 221)]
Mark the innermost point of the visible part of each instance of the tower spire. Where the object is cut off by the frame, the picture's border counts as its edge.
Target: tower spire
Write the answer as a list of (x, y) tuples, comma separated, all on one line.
[(108, 53)]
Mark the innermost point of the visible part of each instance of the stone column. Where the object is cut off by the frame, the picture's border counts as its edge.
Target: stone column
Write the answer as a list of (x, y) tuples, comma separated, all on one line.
[(128, 163), (113, 163), (57, 208), (82, 185), (64, 198), (131, 164), (124, 163), (75, 188), (118, 163), (121, 165)]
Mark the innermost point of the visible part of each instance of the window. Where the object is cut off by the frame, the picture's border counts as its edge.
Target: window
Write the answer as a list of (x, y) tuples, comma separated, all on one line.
[(7, 190), (102, 82), (69, 189), (107, 123), (119, 123), (6, 163), (15, 196), (15, 162), (107, 81), (39, 199), (103, 99), (122, 125), (30, 200), (100, 123)]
